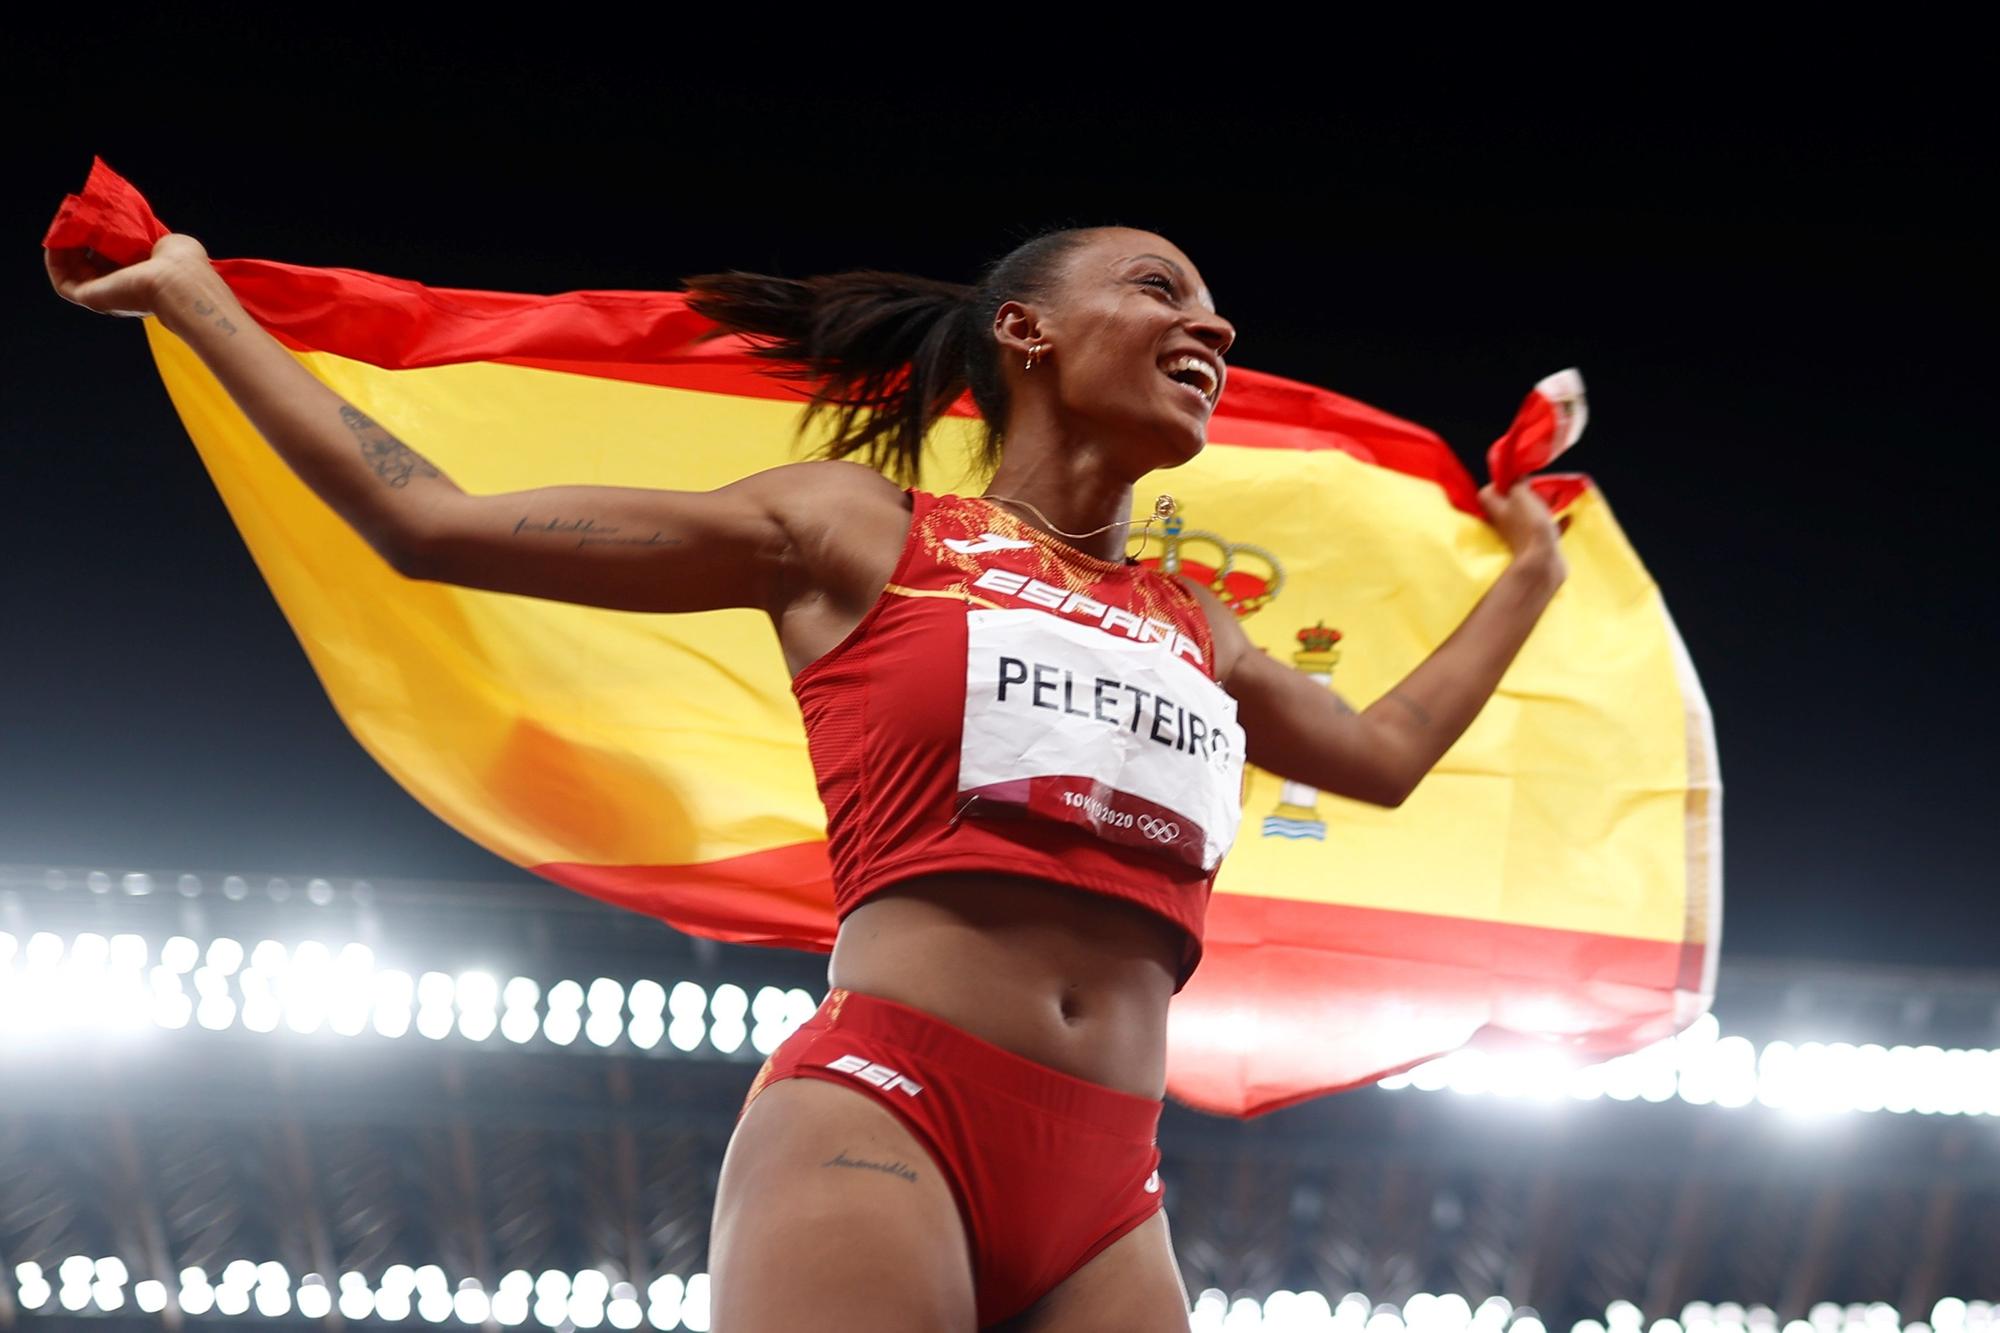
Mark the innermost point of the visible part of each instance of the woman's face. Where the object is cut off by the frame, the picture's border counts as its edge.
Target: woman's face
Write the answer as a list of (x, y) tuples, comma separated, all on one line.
[(1135, 346)]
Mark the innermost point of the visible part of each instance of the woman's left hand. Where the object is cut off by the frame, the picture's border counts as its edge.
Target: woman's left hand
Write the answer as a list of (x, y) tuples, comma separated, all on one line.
[(1525, 523)]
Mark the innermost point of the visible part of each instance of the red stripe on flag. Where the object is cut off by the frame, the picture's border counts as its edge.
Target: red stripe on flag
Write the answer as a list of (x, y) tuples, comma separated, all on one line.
[(1344, 995), (782, 896)]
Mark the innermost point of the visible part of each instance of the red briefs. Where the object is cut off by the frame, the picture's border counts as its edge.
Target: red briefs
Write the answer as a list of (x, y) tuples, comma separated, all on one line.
[(1047, 1169)]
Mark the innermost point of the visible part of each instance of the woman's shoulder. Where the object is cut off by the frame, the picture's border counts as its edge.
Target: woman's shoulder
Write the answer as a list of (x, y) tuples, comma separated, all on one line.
[(844, 524)]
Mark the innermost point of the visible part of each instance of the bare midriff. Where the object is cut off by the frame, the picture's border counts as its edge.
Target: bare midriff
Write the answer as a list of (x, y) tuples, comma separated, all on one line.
[(1064, 977)]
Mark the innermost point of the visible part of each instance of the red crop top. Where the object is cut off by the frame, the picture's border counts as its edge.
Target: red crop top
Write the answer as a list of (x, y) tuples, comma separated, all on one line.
[(1012, 704)]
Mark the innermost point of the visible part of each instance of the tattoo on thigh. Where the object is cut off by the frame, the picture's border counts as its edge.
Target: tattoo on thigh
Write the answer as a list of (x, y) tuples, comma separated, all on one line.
[(1416, 709), (392, 460), (898, 1168)]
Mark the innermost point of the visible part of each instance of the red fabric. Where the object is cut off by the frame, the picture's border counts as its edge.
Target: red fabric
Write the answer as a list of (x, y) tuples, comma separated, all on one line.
[(1048, 1170), (109, 217), (883, 724), (1541, 431), (1408, 986)]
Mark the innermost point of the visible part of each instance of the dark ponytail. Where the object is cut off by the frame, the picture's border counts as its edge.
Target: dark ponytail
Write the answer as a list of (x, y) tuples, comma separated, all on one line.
[(887, 353)]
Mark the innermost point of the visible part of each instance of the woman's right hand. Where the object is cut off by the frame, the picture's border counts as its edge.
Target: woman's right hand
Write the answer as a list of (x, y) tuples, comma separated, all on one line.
[(86, 278)]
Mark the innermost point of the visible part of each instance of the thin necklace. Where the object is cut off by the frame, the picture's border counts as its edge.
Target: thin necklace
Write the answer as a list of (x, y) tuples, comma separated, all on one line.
[(1163, 508)]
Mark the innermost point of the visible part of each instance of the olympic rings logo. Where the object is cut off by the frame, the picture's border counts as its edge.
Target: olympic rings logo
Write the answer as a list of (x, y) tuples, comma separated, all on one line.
[(1160, 830)]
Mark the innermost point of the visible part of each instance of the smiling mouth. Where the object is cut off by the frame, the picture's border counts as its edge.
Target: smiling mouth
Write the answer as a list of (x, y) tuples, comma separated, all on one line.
[(1194, 375)]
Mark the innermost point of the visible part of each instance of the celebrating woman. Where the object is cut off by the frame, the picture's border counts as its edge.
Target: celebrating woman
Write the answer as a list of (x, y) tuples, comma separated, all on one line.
[(1030, 746)]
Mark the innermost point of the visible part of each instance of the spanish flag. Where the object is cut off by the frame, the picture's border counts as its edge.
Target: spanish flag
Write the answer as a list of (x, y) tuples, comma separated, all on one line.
[(1556, 879)]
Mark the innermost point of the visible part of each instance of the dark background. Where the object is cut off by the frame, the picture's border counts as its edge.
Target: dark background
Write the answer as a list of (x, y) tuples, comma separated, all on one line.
[(1774, 277)]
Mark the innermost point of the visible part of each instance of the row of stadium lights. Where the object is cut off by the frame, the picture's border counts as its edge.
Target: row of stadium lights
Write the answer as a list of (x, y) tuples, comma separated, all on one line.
[(590, 1299), (585, 1300), (48, 985), (1702, 1067), (137, 884), (1311, 1312)]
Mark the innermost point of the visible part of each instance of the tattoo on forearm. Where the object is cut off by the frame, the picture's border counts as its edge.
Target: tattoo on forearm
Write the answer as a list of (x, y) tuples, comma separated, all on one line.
[(204, 309), (392, 460), (888, 1168), (588, 533), (1416, 709)]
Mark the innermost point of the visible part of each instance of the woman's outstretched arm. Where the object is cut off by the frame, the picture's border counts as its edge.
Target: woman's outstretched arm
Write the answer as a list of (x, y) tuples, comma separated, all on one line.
[(630, 548), (1299, 729), (379, 485)]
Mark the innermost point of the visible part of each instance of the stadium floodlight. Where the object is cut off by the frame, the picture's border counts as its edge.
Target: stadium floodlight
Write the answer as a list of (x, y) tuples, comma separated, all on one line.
[(128, 952), (477, 1025), (603, 1026), (150, 1296), (477, 990), (520, 1025), (694, 1306), (687, 1000), (436, 990), (647, 997), (729, 1003), (606, 996), (471, 1306), (178, 954), (435, 1021), (434, 1307)]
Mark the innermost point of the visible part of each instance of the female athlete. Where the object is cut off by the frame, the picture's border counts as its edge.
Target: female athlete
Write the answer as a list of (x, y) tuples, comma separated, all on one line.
[(1030, 747)]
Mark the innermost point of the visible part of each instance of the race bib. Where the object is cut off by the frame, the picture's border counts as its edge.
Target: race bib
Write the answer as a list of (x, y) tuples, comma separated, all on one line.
[(1127, 739)]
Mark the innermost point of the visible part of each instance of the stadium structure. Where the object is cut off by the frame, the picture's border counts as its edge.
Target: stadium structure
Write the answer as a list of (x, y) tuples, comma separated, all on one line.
[(237, 1099)]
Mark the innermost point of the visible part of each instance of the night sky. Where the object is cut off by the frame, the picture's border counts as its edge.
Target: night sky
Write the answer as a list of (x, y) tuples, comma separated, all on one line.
[(1780, 297)]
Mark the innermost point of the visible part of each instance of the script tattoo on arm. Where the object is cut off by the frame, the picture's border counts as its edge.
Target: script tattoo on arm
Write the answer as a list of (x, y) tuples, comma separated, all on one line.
[(898, 1169), (205, 309), (588, 533), (1416, 709), (392, 460)]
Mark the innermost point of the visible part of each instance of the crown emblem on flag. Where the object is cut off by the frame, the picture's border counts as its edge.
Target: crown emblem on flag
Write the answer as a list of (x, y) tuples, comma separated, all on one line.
[(1243, 575), (1319, 637)]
